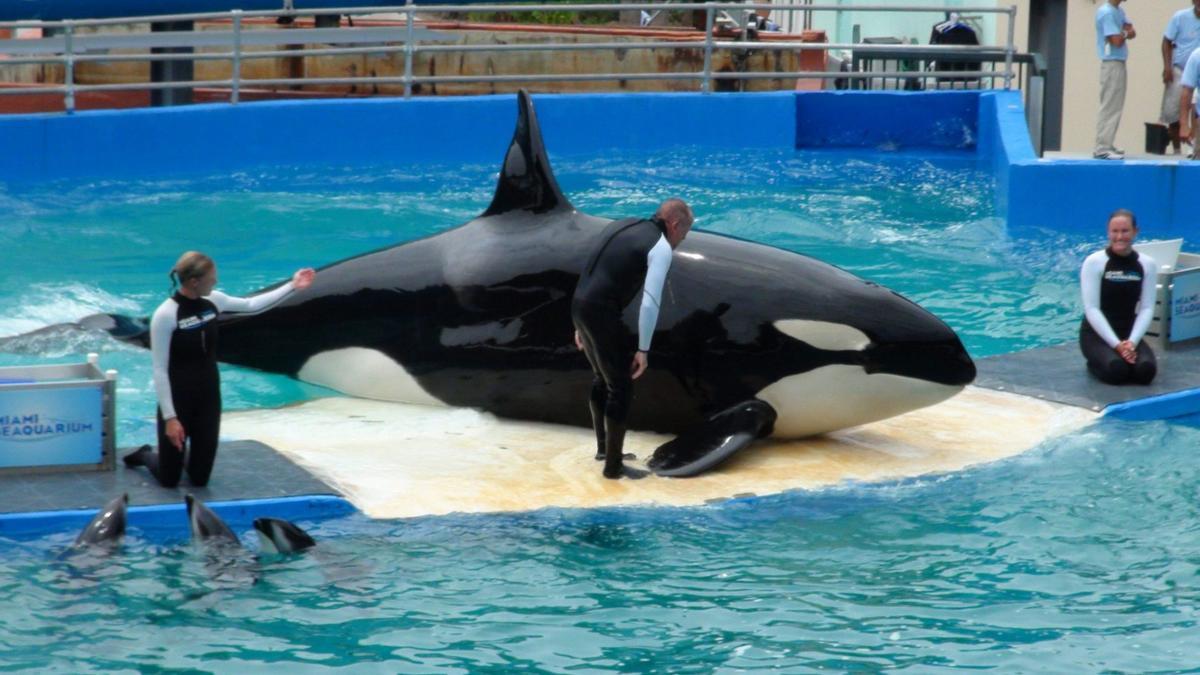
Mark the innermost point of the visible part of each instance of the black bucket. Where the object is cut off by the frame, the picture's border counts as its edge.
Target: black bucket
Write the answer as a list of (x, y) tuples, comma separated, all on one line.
[(1157, 138)]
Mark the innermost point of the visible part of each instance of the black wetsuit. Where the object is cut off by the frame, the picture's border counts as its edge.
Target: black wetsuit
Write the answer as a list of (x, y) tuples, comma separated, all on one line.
[(1123, 282), (183, 342), (953, 33), (610, 280), (195, 393)]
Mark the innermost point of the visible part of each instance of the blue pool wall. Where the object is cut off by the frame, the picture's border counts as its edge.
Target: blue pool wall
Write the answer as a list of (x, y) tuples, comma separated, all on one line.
[(169, 522), (1078, 195), (1064, 195), (987, 127), (1167, 406), (220, 137)]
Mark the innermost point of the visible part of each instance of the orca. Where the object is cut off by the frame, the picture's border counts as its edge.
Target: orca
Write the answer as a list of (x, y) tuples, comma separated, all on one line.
[(281, 536), (107, 528), (751, 340)]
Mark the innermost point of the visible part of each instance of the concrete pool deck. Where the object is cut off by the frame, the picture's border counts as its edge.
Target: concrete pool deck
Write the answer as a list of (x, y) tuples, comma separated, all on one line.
[(393, 460), (249, 480), (1059, 374)]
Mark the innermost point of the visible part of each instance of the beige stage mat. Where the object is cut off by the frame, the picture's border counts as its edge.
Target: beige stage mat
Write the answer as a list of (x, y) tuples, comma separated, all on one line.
[(394, 460)]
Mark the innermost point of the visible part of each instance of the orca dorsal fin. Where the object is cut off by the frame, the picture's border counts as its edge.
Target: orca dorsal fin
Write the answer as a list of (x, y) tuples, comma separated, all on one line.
[(526, 180)]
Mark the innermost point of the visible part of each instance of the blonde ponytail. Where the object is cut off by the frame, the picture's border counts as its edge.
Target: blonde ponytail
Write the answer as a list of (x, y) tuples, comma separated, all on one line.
[(191, 265)]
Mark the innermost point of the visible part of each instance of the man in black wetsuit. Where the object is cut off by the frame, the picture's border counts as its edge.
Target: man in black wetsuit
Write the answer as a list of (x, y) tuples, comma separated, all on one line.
[(632, 255)]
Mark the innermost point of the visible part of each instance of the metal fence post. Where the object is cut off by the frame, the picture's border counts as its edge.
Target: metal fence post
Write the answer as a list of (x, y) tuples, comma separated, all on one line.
[(1035, 110), (69, 74), (236, 75), (411, 11), (1008, 48), (709, 15)]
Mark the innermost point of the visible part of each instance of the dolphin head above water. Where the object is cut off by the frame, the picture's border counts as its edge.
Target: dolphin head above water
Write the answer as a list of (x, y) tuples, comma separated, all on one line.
[(281, 536), (206, 526), (108, 526)]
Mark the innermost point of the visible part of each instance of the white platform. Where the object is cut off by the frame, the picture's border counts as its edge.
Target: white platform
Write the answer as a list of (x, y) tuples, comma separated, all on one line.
[(393, 460)]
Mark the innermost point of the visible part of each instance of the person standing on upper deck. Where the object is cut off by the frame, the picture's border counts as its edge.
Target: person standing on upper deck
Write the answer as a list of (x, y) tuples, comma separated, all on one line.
[(1180, 39), (1112, 31)]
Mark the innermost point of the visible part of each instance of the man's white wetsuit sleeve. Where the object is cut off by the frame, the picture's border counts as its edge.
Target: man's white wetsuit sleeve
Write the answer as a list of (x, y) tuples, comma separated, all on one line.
[(162, 327), (658, 263), (230, 304), (1146, 304)]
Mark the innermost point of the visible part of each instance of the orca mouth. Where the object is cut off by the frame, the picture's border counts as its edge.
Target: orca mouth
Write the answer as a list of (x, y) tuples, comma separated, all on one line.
[(944, 362)]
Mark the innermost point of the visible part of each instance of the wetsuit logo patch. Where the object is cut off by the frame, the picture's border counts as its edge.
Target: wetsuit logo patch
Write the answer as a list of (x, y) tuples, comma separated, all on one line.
[(1120, 275), (194, 322)]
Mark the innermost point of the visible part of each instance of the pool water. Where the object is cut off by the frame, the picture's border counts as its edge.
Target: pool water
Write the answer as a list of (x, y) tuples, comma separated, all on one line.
[(1080, 554), (921, 225)]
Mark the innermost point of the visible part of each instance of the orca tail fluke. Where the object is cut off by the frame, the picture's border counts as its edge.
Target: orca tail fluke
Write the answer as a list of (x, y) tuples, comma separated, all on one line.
[(80, 335), (134, 330), (526, 181), (718, 439)]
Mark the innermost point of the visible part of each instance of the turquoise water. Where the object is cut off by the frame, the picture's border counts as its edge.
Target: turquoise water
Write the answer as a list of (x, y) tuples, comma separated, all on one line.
[(1079, 555), (920, 225)]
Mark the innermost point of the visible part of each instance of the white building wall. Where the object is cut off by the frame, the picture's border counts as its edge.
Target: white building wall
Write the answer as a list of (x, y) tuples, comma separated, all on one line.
[(1143, 98), (1081, 93)]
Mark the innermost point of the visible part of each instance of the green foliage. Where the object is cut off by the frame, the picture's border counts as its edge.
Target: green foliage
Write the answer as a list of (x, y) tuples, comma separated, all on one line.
[(552, 18)]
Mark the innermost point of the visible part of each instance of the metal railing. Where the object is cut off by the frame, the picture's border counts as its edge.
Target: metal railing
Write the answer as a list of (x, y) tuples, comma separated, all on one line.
[(927, 70), (69, 47)]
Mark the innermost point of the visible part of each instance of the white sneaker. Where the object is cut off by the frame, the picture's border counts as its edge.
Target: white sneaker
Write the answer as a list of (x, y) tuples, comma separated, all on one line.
[(1108, 154)]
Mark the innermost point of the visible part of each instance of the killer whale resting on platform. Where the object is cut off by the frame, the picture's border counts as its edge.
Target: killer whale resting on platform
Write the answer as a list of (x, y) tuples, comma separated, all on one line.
[(751, 340)]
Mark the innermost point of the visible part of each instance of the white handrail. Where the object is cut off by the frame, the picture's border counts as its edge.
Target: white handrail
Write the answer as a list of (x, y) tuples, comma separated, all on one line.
[(435, 9), (236, 68), (81, 48)]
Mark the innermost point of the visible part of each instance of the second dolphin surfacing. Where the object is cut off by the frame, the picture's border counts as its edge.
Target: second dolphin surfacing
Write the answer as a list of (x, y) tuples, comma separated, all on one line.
[(479, 316)]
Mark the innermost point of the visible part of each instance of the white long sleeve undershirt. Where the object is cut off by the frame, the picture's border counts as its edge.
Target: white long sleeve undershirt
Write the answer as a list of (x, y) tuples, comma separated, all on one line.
[(163, 324), (1090, 276), (658, 263)]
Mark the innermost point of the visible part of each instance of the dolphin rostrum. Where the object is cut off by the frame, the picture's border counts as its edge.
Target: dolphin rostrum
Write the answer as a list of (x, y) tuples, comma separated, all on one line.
[(107, 528), (281, 536), (206, 526)]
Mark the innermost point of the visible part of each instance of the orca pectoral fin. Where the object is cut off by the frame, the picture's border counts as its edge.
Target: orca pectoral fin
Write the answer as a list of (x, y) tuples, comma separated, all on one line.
[(715, 441)]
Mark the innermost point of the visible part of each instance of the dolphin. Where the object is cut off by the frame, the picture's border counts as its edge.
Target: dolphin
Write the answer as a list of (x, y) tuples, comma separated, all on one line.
[(751, 340), (277, 536), (281, 536), (227, 562), (107, 528), (206, 526)]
